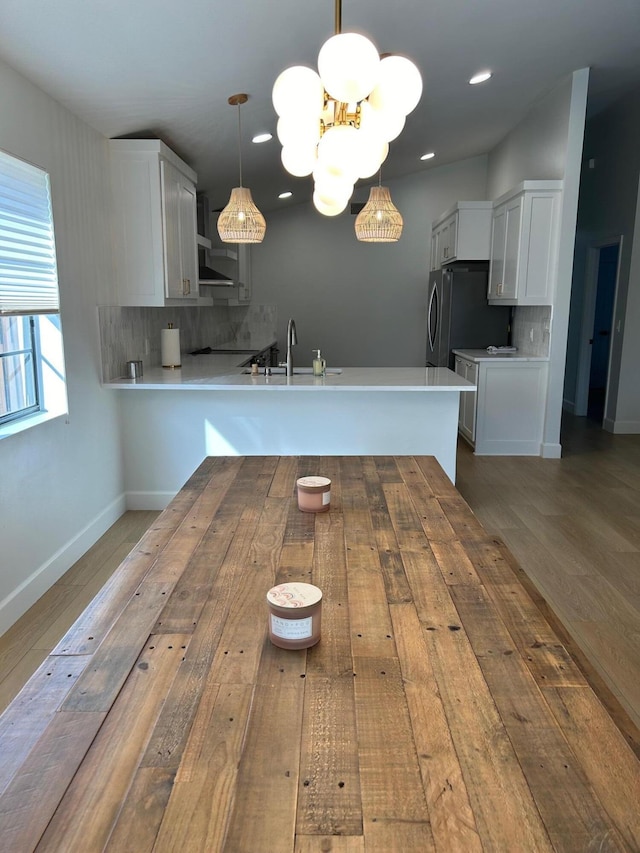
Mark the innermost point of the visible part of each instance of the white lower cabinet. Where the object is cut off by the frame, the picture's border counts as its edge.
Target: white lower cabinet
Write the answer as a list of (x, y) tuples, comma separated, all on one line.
[(505, 416), (467, 416)]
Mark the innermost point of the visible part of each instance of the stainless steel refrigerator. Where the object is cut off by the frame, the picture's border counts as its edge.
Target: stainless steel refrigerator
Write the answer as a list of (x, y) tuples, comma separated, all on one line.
[(459, 316)]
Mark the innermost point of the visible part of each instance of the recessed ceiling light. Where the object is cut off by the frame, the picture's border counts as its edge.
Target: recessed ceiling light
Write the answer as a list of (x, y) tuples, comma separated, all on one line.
[(428, 156), (262, 137), (285, 195), (480, 77)]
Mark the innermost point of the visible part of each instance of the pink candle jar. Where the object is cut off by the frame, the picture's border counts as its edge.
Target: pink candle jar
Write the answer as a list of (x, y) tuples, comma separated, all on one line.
[(314, 494), (295, 610)]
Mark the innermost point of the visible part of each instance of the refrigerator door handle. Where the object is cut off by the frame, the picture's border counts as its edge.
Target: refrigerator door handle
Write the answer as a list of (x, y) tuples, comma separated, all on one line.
[(433, 306)]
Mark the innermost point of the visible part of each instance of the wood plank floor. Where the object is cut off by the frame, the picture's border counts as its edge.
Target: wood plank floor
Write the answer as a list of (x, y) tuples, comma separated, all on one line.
[(573, 525)]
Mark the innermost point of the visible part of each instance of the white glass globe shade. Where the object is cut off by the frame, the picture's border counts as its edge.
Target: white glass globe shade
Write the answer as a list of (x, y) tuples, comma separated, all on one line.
[(338, 151), (298, 131), (373, 154), (298, 161), (371, 120), (332, 187), (348, 64), (399, 86), (298, 90), (328, 209), (387, 123)]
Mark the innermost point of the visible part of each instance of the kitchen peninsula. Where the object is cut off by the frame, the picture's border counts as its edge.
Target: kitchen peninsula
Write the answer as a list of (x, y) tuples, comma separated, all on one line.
[(212, 406)]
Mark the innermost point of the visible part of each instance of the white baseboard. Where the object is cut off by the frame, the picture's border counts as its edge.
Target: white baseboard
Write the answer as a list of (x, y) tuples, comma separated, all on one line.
[(569, 406), (623, 427), (149, 500), (505, 447), (32, 588), (551, 450)]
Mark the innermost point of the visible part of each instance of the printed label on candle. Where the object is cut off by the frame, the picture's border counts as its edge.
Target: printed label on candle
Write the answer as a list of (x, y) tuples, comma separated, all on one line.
[(326, 498), (291, 629)]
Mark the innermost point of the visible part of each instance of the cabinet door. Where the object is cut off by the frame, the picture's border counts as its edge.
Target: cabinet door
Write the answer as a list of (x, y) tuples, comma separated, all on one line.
[(452, 237), (188, 240), (467, 413), (524, 246), (513, 212), (447, 240), (496, 268), (171, 230), (434, 261), (180, 250), (461, 371), (469, 403)]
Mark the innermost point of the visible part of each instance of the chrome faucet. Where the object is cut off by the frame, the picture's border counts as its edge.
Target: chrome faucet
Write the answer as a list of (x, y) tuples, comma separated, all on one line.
[(292, 340)]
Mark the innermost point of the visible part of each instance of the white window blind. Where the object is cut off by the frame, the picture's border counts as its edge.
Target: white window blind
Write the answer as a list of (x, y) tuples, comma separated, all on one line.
[(28, 270)]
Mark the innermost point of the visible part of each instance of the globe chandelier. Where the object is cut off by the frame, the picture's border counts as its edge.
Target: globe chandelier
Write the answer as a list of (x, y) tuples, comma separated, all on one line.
[(241, 221), (336, 124)]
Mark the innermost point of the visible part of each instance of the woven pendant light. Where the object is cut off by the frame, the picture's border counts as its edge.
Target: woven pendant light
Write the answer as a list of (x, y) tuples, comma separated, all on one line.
[(241, 221), (379, 221)]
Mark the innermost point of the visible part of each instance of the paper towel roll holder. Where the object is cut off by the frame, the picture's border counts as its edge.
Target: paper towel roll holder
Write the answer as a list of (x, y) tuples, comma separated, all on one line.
[(175, 355)]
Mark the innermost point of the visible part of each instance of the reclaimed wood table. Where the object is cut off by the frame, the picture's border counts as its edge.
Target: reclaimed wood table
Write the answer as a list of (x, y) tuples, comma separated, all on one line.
[(440, 710)]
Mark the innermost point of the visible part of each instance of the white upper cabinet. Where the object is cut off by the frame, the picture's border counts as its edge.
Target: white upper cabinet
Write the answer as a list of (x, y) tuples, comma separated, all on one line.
[(154, 224), (524, 244), (463, 233)]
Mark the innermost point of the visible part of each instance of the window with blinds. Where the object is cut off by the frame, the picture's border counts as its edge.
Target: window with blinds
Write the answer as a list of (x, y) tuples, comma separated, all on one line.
[(28, 269), (31, 361)]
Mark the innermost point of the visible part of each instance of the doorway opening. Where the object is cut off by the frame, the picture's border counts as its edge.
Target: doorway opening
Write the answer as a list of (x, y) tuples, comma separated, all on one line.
[(601, 331), (597, 331)]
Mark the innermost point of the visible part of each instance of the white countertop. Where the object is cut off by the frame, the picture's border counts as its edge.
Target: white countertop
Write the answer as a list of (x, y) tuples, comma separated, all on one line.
[(221, 372), (478, 355)]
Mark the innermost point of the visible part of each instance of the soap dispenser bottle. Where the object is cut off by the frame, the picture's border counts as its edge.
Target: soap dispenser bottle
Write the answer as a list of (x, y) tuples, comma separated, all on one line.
[(319, 364)]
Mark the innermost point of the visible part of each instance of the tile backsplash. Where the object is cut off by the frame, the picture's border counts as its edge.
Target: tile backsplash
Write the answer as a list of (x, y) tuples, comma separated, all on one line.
[(127, 333), (531, 329)]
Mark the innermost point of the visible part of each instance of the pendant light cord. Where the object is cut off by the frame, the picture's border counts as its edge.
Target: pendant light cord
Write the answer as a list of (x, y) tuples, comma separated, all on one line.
[(240, 143), (338, 17)]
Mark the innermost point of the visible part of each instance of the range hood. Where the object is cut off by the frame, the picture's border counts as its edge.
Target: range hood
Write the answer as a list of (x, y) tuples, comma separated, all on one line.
[(207, 275)]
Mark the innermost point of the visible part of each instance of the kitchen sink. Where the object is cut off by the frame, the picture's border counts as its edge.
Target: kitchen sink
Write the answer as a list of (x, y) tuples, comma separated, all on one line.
[(297, 371)]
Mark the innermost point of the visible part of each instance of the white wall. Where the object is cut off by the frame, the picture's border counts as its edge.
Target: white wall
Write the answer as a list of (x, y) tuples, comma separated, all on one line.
[(535, 149), (547, 144), (61, 482), (363, 304), (608, 209)]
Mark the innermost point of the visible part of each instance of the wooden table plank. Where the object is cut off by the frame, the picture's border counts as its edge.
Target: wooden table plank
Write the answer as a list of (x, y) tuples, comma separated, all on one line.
[(195, 816), (329, 799), (560, 788), (101, 681), (506, 816), (329, 844), (29, 714), (452, 821), (441, 709), (252, 546), (390, 777), (606, 759), (87, 813), (268, 772), (32, 797)]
